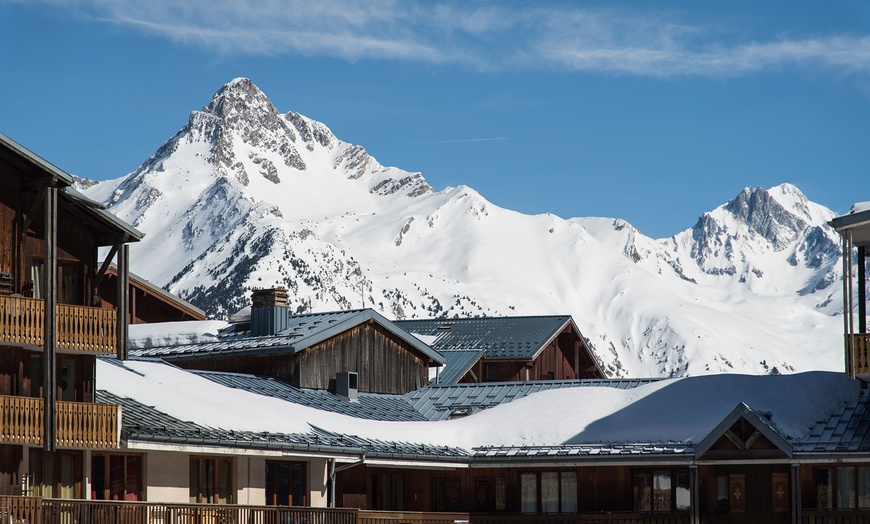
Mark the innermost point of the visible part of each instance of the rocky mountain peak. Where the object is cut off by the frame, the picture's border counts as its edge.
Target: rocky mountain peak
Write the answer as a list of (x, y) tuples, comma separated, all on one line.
[(764, 215), (240, 97)]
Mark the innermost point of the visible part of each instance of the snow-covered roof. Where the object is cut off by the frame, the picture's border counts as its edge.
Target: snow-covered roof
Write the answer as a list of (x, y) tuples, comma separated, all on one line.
[(300, 333), (672, 414)]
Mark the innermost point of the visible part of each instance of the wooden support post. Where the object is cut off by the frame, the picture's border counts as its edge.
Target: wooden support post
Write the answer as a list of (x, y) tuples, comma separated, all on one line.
[(862, 289), (796, 493), (49, 292), (123, 299), (695, 501)]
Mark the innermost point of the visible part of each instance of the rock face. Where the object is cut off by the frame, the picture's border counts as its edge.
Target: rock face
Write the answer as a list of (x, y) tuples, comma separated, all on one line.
[(245, 197)]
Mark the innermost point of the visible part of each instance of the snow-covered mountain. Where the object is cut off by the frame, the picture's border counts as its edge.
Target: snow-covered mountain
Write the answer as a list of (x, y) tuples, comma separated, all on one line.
[(245, 197)]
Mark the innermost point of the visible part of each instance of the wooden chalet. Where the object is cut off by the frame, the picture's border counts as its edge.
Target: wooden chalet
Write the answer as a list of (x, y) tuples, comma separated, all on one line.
[(345, 351), (854, 229), (50, 331), (149, 303), (497, 349)]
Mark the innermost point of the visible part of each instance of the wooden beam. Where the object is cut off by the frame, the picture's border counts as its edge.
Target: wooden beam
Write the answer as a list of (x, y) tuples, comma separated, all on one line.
[(50, 342), (105, 267), (752, 439), (30, 216), (862, 289), (737, 441), (123, 302)]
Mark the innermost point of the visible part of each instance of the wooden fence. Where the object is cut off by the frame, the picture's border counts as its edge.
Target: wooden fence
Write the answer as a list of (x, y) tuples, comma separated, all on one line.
[(79, 328), (829, 516), (79, 424), (410, 517), (584, 518), (34, 510)]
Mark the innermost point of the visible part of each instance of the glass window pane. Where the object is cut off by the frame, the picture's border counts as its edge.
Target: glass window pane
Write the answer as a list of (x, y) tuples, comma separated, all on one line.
[(134, 478), (223, 493), (662, 490), (569, 492), (864, 487), (529, 492), (823, 489), (642, 487), (550, 492), (723, 494), (500, 494), (194, 480), (683, 492), (116, 477), (846, 488), (98, 477)]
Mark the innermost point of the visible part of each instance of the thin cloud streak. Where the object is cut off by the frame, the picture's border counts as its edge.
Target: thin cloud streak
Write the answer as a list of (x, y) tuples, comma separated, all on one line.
[(456, 141), (485, 37)]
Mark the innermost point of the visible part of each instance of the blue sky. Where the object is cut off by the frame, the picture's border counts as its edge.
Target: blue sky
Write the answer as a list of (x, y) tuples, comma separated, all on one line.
[(651, 113)]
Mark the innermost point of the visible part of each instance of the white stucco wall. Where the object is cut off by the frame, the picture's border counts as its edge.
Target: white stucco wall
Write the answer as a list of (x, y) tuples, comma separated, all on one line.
[(250, 480), (318, 482), (167, 475)]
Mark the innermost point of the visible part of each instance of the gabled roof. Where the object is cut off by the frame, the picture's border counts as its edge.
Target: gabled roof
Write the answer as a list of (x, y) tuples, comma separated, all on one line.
[(66, 181), (145, 285), (513, 338), (760, 422), (302, 332), (857, 223), (457, 364)]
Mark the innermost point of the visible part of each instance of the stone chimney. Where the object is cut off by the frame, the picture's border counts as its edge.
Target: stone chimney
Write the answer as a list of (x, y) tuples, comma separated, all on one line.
[(269, 311)]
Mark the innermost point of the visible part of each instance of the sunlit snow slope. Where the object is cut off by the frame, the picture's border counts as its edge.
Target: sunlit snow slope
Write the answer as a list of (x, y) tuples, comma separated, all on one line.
[(245, 197)]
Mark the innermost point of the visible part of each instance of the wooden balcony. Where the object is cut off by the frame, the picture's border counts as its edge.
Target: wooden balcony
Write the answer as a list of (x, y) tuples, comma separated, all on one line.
[(79, 424), (35, 510), (860, 347), (79, 328)]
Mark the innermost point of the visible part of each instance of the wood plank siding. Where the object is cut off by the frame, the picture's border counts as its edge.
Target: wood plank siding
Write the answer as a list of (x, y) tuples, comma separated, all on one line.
[(385, 363)]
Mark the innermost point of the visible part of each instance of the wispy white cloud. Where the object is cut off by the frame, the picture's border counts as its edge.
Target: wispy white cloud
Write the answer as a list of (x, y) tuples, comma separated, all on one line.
[(478, 35)]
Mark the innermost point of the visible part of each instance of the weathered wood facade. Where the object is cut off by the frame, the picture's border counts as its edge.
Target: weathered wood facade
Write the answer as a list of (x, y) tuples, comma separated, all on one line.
[(50, 331), (384, 363), (563, 358), (148, 304)]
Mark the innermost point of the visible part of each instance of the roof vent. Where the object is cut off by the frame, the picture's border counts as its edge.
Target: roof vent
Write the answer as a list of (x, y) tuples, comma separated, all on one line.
[(447, 326), (462, 411), (347, 385), (269, 311)]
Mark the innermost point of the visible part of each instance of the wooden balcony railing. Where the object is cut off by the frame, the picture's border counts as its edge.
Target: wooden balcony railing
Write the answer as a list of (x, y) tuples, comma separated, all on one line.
[(34, 510), (410, 517), (832, 516), (79, 328), (79, 424), (584, 518), (860, 344)]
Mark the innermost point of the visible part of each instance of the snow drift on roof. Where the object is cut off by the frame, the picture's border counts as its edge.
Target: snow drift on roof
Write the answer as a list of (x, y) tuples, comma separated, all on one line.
[(677, 410)]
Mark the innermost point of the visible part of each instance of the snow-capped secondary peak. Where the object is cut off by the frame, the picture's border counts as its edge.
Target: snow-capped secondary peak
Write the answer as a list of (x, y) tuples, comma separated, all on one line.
[(246, 197)]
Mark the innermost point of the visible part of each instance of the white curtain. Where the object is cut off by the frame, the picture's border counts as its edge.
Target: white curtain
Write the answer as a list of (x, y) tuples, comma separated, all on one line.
[(529, 492)]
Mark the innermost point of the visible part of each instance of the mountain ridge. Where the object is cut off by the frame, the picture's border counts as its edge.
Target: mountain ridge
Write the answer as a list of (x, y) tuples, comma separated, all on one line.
[(244, 196)]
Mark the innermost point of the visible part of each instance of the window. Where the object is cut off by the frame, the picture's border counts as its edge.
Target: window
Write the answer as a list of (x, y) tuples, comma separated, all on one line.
[(389, 491), (661, 490), (558, 492), (116, 477), (56, 475), (211, 480), (285, 484), (846, 487)]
